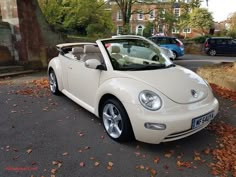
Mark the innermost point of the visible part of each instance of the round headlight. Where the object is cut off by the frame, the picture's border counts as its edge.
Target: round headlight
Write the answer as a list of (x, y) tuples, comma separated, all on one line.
[(150, 100)]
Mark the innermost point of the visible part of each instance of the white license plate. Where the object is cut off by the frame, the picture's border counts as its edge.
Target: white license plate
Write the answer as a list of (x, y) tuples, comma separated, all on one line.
[(198, 121)]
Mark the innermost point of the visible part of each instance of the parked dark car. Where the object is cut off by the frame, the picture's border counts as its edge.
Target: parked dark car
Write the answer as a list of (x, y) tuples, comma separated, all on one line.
[(220, 46), (171, 43)]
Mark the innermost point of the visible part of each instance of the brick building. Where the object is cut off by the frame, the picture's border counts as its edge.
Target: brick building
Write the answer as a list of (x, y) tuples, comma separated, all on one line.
[(153, 12)]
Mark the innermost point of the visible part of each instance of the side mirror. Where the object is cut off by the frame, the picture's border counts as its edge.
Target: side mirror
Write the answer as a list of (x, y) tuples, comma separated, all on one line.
[(93, 64)]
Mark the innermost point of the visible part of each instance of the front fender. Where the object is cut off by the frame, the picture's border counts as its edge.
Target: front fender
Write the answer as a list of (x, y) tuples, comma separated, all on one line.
[(56, 65), (125, 89)]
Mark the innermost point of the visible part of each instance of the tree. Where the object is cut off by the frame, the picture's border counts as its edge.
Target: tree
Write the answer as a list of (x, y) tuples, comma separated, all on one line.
[(74, 16), (201, 19), (126, 10)]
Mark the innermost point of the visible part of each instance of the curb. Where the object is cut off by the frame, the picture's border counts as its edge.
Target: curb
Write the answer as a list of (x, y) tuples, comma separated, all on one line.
[(10, 74)]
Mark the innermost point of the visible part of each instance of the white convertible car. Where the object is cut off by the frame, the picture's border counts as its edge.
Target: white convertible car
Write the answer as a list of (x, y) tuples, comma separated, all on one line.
[(135, 88)]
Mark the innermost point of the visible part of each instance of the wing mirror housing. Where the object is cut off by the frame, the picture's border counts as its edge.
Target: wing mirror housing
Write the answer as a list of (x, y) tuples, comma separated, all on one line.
[(94, 64)]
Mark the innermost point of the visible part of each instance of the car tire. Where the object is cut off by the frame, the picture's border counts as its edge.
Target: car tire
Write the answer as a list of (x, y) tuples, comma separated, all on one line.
[(116, 121), (53, 84), (212, 52), (175, 55)]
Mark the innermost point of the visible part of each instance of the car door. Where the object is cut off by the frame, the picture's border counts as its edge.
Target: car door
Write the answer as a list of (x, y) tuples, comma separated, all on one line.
[(83, 82), (65, 60), (221, 46), (231, 46)]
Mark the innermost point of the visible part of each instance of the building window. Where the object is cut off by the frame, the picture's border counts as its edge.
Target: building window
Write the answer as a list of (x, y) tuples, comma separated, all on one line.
[(139, 30), (175, 30), (140, 15), (177, 12), (119, 16), (152, 15), (162, 13), (187, 30), (119, 30)]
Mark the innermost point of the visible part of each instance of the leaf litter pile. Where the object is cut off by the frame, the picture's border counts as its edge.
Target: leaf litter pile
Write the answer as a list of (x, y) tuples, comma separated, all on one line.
[(38, 88), (225, 152)]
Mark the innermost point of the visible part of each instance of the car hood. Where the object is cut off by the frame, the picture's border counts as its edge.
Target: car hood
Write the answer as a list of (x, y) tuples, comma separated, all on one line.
[(177, 83)]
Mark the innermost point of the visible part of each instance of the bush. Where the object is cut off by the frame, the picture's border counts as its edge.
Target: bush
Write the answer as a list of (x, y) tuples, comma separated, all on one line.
[(232, 33), (97, 31), (200, 39)]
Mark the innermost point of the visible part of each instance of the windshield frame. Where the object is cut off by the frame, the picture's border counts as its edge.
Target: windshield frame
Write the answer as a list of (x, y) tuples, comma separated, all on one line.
[(140, 63)]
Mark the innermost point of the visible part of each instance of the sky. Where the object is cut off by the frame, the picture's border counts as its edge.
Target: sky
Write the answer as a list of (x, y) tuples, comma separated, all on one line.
[(220, 8)]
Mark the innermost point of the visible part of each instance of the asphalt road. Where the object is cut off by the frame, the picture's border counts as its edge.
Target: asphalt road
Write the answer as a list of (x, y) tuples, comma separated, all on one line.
[(195, 61), (40, 132)]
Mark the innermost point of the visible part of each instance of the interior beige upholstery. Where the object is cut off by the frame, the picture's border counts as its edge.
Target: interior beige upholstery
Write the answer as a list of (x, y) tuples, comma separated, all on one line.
[(115, 52), (77, 52), (91, 52)]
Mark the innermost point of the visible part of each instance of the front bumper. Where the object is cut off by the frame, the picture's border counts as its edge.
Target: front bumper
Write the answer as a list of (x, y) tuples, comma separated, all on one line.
[(177, 118)]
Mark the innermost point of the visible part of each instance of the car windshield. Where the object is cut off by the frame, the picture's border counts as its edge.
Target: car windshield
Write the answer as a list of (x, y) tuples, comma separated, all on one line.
[(131, 54)]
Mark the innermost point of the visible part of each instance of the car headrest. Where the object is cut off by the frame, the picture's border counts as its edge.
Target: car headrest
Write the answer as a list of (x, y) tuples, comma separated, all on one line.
[(76, 50), (91, 49), (115, 49)]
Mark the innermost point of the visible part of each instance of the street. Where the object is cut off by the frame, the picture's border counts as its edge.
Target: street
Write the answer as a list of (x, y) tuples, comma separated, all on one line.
[(42, 134), (195, 61)]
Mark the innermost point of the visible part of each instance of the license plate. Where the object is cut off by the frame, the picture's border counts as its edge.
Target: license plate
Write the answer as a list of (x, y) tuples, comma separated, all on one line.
[(196, 122)]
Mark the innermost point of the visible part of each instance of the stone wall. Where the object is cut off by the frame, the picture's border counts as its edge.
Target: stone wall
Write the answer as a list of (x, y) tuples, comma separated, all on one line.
[(6, 45), (31, 35)]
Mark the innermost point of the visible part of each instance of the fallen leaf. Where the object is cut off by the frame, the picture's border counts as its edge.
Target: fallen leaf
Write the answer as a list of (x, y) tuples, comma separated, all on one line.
[(141, 167), (54, 162), (109, 167), (197, 158), (15, 149), (65, 154), (59, 165), (168, 155), (82, 164), (166, 167), (86, 147), (29, 151), (53, 171), (96, 164), (156, 159), (153, 172), (110, 164)]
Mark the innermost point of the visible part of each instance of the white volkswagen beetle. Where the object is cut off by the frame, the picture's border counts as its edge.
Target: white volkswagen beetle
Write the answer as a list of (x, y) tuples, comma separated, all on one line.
[(139, 96)]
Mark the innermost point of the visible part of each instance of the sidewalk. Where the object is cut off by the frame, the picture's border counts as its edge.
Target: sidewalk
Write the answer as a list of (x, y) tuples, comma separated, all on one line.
[(9, 71)]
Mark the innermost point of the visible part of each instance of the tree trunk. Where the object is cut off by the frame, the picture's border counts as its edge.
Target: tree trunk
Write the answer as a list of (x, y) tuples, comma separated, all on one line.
[(37, 42)]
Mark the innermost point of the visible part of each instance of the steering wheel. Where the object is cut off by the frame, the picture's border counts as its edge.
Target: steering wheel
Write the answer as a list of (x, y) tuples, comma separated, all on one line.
[(115, 63), (155, 58)]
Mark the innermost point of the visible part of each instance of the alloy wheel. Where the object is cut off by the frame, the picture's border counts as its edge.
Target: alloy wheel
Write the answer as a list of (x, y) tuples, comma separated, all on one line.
[(112, 120)]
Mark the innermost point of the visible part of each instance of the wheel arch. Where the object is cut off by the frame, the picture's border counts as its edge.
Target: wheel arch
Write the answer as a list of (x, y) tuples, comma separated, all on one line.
[(55, 65), (102, 101)]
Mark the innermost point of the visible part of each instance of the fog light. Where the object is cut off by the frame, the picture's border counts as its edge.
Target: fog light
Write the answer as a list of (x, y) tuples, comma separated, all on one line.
[(155, 126)]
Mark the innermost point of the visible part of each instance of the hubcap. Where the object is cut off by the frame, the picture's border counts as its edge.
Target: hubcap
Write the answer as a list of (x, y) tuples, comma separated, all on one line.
[(174, 55), (212, 52), (112, 120), (53, 82)]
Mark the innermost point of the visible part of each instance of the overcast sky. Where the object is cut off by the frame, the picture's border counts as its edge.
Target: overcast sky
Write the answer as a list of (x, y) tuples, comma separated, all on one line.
[(220, 8)]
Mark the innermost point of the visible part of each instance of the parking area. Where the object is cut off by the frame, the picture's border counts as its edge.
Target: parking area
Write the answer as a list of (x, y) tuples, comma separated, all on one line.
[(42, 135)]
